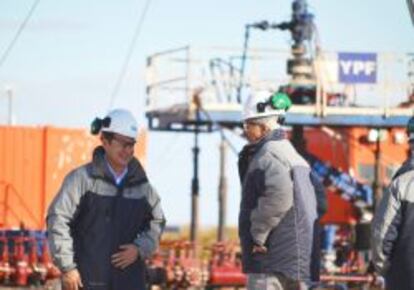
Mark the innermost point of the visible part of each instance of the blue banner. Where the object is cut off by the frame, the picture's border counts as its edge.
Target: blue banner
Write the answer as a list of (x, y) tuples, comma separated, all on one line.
[(357, 68)]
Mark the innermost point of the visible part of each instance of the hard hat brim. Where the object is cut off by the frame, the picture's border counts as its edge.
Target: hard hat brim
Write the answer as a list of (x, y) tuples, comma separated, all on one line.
[(264, 115)]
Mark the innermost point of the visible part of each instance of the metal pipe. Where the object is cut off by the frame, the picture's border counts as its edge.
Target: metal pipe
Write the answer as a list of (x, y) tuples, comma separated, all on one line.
[(377, 186), (346, 278), (9, 92), (222, 196), (195, 182)]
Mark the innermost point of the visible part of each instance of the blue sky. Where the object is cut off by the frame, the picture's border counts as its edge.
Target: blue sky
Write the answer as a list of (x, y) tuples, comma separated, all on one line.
[(64, 66)]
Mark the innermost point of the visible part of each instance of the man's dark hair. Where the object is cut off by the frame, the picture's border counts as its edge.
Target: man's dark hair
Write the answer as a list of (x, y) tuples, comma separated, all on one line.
[(108, 136)]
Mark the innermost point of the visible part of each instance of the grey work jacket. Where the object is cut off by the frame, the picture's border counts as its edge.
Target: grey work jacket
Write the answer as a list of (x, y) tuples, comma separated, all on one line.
[(393, 233), (91, 217), (277, 209)]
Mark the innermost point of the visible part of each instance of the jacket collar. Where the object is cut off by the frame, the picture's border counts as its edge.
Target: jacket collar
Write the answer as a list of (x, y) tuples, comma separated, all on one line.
[(250, 150), (275, 135), (98, 169)]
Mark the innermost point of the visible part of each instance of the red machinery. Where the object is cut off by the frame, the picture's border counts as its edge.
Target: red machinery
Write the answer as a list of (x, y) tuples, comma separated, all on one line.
[(5, 268), (24, 259), (20, 262), (175, 265), (225, 266)]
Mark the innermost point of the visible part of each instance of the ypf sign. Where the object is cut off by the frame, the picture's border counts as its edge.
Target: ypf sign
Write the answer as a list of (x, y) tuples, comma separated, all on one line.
[(357, 68)]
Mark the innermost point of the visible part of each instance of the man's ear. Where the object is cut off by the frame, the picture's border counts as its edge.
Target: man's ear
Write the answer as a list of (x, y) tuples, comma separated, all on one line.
[(104, 141), (265, 129)]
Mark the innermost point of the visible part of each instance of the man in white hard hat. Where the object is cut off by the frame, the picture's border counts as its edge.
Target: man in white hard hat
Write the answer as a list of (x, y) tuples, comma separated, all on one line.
[(392, 228), (106, 218), (278, 206)]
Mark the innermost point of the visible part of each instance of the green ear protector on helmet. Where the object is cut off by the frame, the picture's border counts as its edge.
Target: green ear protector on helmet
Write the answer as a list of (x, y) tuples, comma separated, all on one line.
[(277, 101), (98, 124)]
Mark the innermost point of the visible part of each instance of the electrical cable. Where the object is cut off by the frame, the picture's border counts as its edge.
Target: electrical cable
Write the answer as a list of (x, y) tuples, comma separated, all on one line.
[(165, 156), (243, 62), (19, 32), (221, 130), (128, 55)]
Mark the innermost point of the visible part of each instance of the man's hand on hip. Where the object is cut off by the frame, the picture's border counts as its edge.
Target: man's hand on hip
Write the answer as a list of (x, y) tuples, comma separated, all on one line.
[(126, 255), (71, 280), (259, 249)]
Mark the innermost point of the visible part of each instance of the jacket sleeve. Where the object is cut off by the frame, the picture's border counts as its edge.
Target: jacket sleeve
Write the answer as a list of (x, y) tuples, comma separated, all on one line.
[(385, 227), (322, 204), (60, 214), (274, 201), (148, 240)]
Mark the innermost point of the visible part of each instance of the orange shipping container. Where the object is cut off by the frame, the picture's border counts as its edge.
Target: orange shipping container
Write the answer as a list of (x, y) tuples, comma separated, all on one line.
[(33, 163)]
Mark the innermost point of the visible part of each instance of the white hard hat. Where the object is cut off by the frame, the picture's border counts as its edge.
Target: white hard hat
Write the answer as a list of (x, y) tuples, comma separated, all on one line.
[(258, 105), (122, 122)]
